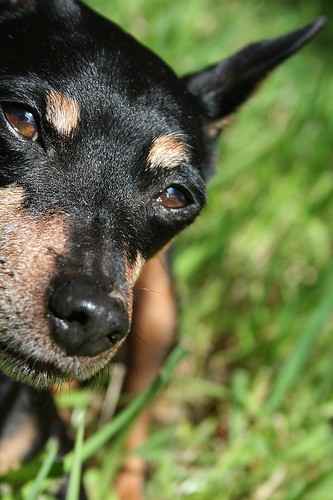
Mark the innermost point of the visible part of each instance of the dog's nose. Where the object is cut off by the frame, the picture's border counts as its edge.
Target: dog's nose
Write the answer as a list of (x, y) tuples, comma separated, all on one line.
[(86, 320)]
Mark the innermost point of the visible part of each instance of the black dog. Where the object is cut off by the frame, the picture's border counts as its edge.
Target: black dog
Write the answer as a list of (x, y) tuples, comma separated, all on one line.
[(104, 155)]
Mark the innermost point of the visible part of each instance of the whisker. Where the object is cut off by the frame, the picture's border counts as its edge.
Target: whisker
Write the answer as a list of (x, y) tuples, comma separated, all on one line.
[(136, 326), (144, 289)]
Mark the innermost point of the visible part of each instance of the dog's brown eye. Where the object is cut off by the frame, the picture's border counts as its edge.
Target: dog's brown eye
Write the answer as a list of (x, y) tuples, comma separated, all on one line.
[(174, 197), (23, 121)]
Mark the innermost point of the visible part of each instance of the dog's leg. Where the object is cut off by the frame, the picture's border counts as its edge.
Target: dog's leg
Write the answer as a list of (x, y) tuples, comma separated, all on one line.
[(152, 337), (28, 419)]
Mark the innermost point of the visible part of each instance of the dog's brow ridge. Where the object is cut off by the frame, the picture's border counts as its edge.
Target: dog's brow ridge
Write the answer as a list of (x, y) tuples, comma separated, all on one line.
[(167, 151), (62, 112)]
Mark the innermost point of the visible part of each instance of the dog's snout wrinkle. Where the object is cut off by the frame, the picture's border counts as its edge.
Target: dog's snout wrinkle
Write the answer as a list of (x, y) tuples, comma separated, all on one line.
[(86, 319)]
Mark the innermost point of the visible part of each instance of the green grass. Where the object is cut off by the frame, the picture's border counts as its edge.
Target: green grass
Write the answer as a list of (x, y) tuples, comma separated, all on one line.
[(248, 414)]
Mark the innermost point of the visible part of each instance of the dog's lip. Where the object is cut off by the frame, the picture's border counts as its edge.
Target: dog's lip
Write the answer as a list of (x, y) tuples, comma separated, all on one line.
[(25, 369), (43, 374)]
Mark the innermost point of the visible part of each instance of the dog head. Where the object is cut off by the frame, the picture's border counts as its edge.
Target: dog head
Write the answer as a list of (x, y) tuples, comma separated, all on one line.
[(104, 154)]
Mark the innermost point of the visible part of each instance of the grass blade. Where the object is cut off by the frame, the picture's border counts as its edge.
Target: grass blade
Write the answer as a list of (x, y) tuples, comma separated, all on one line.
[(37, 486), (126, 417), (291, 369), (73, 491)]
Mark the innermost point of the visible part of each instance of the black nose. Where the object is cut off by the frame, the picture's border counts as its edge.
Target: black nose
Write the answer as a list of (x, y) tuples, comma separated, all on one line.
[(86, 320)]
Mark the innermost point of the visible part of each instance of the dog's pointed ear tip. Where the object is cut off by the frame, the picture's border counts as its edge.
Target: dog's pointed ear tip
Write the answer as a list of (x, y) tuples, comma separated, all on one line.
[(320, 21), (317, 24)]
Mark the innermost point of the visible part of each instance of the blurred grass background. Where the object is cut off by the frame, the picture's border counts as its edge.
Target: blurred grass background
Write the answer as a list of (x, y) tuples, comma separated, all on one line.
[(248, 414)]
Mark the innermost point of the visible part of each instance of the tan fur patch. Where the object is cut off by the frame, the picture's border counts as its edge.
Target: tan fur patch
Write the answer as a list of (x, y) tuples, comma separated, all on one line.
[(29, 247), (214, 127), (28, 244), (133, 270), (168, 151), (62, 112)]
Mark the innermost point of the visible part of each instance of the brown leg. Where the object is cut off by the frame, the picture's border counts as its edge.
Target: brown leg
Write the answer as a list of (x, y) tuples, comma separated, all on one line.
[(152, 337), (28, 418)]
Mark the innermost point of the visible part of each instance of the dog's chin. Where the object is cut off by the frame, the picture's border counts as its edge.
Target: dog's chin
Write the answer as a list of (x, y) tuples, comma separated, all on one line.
[(42, 374)]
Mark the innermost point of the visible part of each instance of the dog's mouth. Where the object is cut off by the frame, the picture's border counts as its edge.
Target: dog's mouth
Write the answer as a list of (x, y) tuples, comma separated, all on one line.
[(72, 341), (42, 374), (31, 371)]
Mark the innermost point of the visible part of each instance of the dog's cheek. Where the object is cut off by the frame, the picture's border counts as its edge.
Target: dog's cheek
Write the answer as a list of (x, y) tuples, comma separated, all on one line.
[(29, 247), (133, 270)]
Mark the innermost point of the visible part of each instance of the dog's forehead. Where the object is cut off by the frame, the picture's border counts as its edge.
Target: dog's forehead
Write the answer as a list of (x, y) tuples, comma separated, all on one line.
[(67, 47), (83, 65), (108, 107)]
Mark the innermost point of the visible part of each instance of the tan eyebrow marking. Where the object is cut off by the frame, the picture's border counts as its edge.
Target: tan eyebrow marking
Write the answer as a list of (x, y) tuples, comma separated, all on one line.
[(167, 151), (62, 112)]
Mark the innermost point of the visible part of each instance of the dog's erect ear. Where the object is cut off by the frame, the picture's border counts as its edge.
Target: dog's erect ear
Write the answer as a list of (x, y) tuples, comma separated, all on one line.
[(224, 87)]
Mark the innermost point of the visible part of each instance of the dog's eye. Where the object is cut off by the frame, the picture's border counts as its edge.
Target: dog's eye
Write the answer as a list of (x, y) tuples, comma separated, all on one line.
[(174, 197), (22, 120)]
